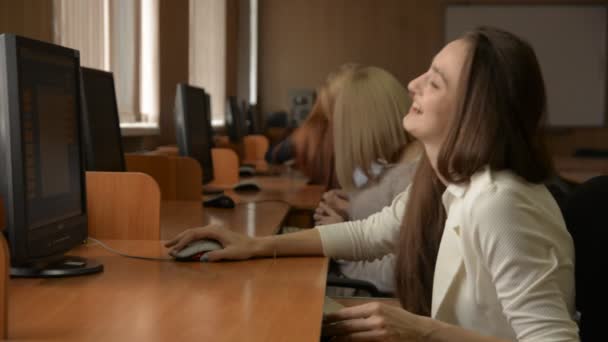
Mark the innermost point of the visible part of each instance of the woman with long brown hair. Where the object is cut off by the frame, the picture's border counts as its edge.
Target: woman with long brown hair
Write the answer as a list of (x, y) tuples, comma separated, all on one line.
[(482, 246)]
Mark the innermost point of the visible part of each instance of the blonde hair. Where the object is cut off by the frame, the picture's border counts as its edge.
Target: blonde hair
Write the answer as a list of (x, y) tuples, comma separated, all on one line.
[(367, 119)]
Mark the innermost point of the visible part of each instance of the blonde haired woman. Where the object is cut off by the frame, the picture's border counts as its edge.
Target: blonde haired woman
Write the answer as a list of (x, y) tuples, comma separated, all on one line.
[(374, 159)]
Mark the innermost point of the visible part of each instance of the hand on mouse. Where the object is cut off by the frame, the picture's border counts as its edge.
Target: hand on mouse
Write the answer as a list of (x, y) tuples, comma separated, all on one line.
[(333, 208), (337, 199), (235, 246), (326, 215)]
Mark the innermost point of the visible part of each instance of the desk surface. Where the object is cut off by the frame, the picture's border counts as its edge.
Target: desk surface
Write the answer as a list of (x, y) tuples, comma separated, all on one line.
[(139, 300), (253, 219), (579, 170), (293, 190)]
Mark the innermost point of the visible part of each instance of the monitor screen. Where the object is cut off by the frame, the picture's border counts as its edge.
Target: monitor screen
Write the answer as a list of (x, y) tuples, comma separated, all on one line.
[(48, 92), (208, 118), (100, 124), (194, 138), (253, 121), (236, 123), (42, 181)]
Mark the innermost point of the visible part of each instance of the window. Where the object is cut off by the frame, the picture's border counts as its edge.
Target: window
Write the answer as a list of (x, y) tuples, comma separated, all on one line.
[(117, 36), (207, 53)]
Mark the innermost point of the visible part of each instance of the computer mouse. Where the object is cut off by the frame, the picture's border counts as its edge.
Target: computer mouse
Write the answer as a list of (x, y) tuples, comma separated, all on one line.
[(219, 201), (195, 250), (246, 171), (246, 187)]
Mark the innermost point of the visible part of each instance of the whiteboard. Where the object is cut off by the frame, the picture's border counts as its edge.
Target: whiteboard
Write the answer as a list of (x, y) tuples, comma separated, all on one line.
[(570, 43)]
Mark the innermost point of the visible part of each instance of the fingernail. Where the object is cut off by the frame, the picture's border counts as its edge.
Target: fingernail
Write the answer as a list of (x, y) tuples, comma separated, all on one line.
[(204, 258)]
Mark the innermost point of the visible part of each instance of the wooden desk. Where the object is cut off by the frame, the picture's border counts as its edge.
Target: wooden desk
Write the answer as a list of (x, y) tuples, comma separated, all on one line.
[(292, 190), (253, 219), (579, 176), (579, 170), (140, 300)]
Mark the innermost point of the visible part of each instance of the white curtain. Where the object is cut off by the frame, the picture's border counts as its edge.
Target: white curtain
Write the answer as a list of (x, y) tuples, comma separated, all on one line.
[(81, 25), (113, 35), (207, 55)]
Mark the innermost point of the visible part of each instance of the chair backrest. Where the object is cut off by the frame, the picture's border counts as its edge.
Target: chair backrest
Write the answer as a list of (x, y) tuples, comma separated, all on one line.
[(123, 206), (179, 178), (225, 167), (585, 212), (254, 151), (255, 147)]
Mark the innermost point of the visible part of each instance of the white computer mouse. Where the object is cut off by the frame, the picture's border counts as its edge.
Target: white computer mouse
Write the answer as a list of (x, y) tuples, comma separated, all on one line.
[(195, 250)]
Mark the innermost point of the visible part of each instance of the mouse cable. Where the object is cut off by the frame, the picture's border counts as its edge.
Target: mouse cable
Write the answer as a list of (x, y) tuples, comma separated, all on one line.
[(112, 250)]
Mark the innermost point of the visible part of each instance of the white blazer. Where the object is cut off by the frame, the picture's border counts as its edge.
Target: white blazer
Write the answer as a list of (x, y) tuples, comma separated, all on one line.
[(505, 263)]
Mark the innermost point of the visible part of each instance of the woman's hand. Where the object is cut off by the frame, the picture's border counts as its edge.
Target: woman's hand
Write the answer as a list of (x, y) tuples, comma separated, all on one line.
[(337, 200), (326, 215), (376, 322), (235, 246), (333, 208)]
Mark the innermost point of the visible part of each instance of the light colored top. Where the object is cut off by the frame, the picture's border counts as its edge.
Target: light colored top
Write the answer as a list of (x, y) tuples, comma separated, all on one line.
[(505, 264), (370, 200)]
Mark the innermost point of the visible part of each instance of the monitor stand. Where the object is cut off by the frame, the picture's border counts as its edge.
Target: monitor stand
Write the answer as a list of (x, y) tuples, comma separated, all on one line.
[(67, 266)]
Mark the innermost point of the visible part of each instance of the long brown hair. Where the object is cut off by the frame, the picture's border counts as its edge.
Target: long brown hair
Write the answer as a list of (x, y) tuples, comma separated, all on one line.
[(314, 151), (313, 140), (496, 125)]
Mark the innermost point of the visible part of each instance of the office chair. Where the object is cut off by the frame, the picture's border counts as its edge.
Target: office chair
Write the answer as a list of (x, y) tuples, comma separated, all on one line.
[(560, 188), (591, 153), (587, 222), (362, 288)]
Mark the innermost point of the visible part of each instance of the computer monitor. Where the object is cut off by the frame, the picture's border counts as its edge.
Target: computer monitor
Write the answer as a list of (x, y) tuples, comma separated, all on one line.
[(236, 124), (42, 179), (208, 118), (100, 122), (192, 127), (253, 121)]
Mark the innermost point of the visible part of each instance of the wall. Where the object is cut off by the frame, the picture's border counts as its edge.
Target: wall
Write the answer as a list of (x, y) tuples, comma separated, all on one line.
[(301, 41), (30, 18), (173, 60)]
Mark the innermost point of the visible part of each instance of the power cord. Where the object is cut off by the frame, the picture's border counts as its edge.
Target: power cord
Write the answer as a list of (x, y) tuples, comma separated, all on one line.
[(112, 250)]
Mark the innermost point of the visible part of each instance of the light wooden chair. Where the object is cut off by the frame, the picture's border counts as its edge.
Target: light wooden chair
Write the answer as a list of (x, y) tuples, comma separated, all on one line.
[(168, 150), (187, 177), (225, 167), (254, 151), (179, 178), (156, 166), (123, 206)]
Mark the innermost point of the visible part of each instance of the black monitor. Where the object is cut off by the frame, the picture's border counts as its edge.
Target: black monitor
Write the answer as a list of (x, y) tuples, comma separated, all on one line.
[(192, 127), (42, 178), (253, 121), (236, 123), (208, 118), (100, 122)]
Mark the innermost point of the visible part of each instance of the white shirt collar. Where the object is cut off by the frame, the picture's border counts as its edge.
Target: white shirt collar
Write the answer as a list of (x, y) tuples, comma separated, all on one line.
[(459, 190)]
